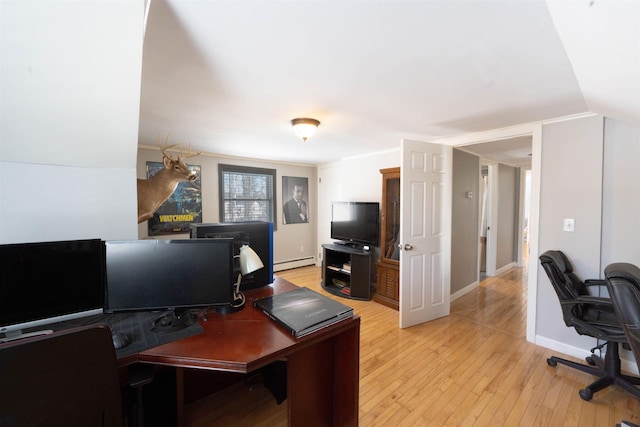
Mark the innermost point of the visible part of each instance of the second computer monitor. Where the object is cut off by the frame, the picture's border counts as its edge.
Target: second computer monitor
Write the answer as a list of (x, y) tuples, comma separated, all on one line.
[(150, 275), (256, 234)]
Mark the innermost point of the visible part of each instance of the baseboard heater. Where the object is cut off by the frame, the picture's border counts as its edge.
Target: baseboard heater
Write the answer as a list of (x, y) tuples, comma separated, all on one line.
[(293, 263)]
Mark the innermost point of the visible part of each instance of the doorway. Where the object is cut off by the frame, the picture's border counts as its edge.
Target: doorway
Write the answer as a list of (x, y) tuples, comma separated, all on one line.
[(484, 219), (503, 202), (488, 219), (488, 206), (521, 141)]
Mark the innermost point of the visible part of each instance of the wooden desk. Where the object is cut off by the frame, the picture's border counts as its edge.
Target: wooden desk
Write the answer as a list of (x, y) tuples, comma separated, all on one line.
[(322, 368)]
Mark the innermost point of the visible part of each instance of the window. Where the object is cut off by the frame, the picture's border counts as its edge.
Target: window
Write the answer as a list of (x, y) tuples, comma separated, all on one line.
[(247, 194)]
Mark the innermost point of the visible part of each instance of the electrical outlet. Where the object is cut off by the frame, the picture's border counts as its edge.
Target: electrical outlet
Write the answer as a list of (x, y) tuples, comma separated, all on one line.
[(568, 224), (301, 248)]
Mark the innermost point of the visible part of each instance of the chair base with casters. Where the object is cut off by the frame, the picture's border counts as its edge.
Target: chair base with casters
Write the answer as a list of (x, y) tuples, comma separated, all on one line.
[(607, 371)]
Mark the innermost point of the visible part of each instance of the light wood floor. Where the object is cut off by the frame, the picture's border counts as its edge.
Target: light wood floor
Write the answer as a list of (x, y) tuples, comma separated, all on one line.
[(472, 368)]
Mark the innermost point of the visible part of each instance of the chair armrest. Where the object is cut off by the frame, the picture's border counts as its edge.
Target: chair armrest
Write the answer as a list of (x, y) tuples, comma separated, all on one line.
[(595, 282), (584, 299), (600, 285)]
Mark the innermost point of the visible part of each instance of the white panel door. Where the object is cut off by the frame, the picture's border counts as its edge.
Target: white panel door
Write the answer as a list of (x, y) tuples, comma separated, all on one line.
[(425, 229)]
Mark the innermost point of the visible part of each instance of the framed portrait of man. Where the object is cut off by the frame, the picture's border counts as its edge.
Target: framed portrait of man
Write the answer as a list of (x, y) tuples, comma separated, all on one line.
[(295, 208)]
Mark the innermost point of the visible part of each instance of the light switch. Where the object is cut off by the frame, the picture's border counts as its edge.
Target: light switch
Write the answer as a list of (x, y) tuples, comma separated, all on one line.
[(569, 224)]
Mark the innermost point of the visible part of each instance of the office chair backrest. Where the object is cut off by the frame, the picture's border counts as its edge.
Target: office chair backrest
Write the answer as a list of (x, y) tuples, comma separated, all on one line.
[(623, 283), (68, 378), (565, 282)]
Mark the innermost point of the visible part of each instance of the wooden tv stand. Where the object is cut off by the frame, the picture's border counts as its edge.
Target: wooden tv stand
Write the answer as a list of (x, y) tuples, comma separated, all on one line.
[(349, 282)]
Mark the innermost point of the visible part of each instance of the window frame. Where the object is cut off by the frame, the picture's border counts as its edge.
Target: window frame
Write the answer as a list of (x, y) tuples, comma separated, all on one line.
[(230, 169)]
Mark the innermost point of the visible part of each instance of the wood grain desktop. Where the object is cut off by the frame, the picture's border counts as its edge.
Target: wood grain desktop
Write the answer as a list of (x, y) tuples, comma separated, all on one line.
[(322, 368)]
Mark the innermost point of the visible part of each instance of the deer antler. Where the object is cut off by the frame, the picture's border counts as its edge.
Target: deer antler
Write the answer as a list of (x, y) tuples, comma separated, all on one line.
[(166, 147), (191, 154)]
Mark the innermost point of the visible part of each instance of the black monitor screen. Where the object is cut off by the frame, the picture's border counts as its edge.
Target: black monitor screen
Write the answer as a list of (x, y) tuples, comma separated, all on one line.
[(147, 275), (256, 234), (45, 282), (356, 222)]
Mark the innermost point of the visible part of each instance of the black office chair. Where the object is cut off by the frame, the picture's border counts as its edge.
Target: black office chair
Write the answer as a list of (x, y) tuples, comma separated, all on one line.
[(68, 378), (588, 315), (623, 282)]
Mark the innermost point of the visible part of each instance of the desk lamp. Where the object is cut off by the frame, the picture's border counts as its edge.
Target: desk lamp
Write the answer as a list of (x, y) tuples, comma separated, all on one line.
[(249, 262)]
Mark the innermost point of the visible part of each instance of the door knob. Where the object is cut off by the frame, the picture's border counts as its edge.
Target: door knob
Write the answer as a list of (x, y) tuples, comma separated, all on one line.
[(405, 247)]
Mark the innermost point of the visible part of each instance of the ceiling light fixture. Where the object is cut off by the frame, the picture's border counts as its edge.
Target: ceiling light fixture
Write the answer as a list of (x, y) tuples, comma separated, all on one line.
[(304, 127)]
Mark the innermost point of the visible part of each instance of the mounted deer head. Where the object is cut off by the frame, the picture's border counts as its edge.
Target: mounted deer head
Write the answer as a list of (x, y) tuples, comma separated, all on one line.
[(154, 191)]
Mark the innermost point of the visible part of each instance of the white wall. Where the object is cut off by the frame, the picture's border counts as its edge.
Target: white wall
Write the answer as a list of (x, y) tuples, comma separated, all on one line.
[(571, 187), (69, 124), (50, 202), (621, 201), (356, 179)]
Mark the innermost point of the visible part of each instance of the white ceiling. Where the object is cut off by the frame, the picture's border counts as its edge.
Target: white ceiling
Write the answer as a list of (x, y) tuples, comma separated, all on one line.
[(513, 151), (228, 76)]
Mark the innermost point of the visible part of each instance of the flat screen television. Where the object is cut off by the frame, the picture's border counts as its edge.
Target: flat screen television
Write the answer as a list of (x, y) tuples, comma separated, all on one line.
[(48, 282), (355, 223), (256, 234), (170, 276)]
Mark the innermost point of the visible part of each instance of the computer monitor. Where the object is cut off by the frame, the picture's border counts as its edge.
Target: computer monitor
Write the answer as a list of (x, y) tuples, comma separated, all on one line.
[(256, 234), (172, 276), (47, 282)]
